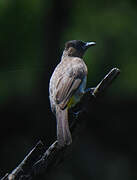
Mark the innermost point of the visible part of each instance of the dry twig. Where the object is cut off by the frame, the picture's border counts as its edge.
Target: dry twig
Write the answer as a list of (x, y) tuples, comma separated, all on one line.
[(41, 159)]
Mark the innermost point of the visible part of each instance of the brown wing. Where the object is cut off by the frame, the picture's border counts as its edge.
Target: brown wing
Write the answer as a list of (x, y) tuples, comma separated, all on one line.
[(66, 91), (69, 83)]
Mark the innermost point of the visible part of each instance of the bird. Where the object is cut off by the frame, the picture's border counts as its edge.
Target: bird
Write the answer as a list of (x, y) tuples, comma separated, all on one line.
[(67, 86)]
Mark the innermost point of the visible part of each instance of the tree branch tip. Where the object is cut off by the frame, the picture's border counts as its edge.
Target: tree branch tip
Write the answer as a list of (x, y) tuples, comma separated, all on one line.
[(106, 81), (114, 71)]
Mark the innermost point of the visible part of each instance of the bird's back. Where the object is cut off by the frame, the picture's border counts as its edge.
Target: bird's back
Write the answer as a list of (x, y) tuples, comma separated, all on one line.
[(67, 69)]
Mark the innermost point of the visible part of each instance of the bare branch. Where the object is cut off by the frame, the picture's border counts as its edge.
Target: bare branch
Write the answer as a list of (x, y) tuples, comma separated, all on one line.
[(41, 159)]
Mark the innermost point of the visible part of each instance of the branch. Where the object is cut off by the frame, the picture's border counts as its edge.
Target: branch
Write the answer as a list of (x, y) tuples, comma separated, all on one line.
[(41, 159)]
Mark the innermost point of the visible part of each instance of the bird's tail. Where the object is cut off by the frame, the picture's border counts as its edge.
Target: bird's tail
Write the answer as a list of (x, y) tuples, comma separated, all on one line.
[(63, 132)]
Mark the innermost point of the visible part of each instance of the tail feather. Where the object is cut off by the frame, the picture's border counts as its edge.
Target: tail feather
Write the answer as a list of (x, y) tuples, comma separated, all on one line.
[(63, 132)]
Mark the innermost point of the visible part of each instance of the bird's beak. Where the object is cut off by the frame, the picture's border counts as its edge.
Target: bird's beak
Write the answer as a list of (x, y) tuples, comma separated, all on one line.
[(88, 44)]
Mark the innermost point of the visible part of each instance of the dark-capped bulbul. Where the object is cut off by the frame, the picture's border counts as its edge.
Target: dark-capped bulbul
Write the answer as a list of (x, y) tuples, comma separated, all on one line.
[(67, 85)]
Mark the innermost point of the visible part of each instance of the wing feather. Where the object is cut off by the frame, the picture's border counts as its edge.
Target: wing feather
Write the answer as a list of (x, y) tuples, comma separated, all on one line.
[(70, 80), (66, 95)]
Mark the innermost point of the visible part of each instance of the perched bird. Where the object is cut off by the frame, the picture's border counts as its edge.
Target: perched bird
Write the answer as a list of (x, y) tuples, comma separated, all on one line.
[(67, 85)]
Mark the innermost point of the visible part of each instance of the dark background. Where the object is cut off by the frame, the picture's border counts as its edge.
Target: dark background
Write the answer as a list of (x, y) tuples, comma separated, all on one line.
[(32, 37)]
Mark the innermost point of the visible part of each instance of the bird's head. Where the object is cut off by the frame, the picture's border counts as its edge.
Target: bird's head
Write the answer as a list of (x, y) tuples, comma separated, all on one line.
[(76, 48)]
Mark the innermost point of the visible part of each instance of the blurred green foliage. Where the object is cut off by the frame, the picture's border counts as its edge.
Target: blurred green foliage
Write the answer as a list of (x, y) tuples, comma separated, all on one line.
[(20, 42), (112, 24)]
